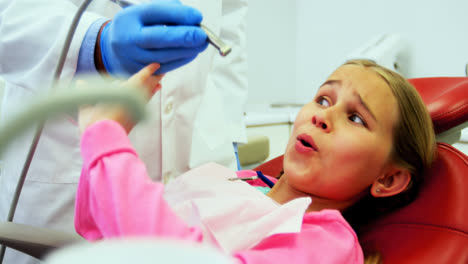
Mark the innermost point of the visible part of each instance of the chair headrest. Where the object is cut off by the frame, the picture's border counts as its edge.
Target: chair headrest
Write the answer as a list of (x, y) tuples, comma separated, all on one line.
[(446, 99), (433, 228)]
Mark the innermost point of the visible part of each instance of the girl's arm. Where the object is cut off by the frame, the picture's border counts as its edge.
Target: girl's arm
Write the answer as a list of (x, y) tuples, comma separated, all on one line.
[(115, 197)]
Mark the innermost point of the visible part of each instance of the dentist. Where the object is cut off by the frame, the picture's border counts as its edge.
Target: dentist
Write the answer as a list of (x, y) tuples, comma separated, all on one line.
[(194, 118)]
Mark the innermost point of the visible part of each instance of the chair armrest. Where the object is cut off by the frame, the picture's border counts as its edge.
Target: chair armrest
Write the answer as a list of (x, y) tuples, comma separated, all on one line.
[(35, 241)]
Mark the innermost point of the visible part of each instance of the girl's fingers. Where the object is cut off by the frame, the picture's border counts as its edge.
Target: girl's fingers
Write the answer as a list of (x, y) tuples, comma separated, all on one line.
[(146, 78), (152, 83), (144, 74)]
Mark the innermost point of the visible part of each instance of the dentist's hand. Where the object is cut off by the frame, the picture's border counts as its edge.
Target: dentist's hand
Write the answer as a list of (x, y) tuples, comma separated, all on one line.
[(165, 31)]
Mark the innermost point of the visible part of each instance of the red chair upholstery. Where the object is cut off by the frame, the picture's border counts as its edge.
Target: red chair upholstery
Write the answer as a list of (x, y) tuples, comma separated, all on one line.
[(434, 227), (446, 99)]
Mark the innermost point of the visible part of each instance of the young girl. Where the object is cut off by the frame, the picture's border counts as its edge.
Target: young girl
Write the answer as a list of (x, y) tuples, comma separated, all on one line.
[(358, 149)]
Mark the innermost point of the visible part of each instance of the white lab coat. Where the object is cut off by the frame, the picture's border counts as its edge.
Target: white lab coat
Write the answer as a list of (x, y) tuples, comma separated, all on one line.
[(194, 118)]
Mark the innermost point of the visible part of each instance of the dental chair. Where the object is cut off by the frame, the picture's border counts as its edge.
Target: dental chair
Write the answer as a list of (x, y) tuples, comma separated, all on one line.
[(432, 229)]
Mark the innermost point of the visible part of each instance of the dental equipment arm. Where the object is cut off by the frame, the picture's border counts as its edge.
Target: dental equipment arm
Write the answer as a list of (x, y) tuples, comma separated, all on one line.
[(35, 241)]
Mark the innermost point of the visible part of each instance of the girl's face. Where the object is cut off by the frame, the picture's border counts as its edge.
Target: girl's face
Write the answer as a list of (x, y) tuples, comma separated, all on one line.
[(342, 139)]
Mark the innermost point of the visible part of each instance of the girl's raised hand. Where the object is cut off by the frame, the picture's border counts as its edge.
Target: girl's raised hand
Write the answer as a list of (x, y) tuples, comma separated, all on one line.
[(144, 79)]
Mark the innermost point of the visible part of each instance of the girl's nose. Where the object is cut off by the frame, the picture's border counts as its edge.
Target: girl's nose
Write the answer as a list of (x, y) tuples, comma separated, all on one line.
[(321, 121)]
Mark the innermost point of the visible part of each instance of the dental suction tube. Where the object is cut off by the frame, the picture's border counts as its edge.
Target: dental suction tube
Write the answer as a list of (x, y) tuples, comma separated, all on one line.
[(68, 101)]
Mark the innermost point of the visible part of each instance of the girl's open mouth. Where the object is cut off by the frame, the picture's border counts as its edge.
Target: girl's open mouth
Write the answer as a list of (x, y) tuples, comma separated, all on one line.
[(305, 143)]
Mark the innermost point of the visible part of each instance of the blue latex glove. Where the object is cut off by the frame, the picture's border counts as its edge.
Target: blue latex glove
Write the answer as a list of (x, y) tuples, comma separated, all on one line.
[(166, 32)]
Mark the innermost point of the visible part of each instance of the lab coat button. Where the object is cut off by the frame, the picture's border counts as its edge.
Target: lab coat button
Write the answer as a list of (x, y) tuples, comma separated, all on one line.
[(168, 108)]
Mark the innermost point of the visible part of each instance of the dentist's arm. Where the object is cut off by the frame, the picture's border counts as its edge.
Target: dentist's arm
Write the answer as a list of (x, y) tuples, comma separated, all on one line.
[(28, 59)]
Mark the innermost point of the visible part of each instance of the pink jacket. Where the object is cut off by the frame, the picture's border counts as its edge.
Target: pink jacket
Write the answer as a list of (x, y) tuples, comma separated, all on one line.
[(116, 198)]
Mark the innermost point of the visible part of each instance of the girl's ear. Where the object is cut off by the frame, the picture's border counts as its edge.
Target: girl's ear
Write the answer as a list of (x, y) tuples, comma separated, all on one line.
[(393, 182)]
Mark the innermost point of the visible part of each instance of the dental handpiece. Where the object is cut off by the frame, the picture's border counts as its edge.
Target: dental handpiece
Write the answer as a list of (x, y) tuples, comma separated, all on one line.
[(214, 40)]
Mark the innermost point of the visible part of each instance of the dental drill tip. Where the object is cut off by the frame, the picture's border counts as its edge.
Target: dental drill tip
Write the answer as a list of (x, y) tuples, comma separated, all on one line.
[(224, 51), (214, 40)]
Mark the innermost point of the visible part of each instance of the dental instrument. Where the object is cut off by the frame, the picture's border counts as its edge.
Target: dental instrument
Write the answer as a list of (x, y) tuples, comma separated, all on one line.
[(260, 176), (236, 153), (265, 179), (214, 40)]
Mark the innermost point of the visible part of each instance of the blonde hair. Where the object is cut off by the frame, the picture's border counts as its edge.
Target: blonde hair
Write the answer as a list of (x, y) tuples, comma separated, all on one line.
[(413, 149), (413, 137)]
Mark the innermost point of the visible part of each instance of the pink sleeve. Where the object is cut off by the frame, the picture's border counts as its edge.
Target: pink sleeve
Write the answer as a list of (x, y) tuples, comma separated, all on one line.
[(325, 238), (115, 197)]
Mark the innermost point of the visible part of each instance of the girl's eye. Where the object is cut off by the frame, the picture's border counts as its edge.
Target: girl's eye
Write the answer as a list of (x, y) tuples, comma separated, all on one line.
[(323, 102), (357, 119)]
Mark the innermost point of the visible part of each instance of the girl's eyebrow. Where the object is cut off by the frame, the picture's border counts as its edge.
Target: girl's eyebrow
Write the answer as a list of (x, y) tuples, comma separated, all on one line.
[(330, 82), (355, 94), (365, 105)]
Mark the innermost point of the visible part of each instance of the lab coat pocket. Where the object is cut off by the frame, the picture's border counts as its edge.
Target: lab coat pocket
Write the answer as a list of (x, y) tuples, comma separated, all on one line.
[(57, 158)]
